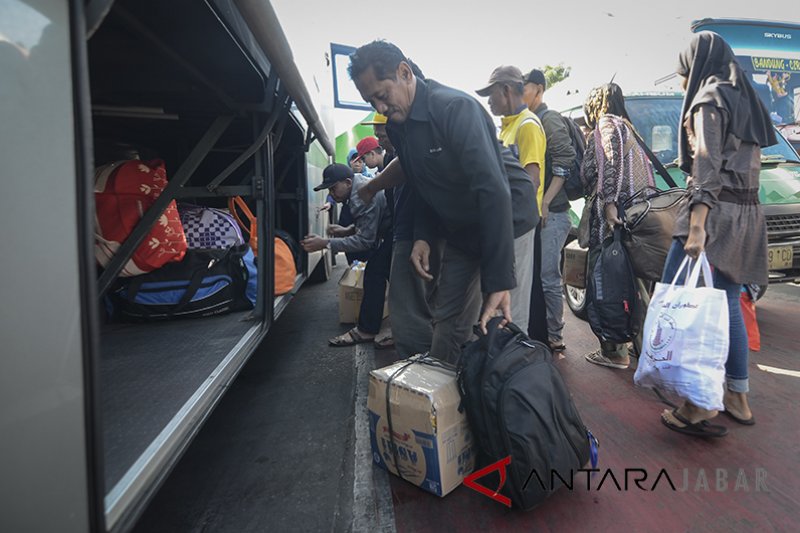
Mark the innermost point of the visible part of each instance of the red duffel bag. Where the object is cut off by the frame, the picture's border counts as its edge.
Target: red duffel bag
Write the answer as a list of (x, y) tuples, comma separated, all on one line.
[(123, 192)]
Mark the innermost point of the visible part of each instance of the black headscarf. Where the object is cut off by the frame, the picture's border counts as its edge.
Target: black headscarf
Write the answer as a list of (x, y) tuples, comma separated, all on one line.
[(714, 77)]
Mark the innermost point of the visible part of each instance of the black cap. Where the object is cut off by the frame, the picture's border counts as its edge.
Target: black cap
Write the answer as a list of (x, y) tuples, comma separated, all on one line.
[(536, 76), (333, 174)]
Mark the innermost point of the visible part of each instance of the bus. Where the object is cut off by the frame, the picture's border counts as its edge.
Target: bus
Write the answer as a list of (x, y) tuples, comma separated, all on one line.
[(769, 52), (95, 412)]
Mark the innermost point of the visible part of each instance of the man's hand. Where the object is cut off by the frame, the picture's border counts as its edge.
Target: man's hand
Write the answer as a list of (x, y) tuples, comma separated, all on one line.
[(494, 302), (335, 230), (545, 212), (695, 242), (313, 243), (366, 193), (420, 258), (324, 207)]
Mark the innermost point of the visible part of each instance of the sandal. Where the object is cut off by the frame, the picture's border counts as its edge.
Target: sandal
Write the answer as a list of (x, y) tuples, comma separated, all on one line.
[(350, 338), (698, 429), (556, 347), (598, 358), (384, 342), (743, 421)]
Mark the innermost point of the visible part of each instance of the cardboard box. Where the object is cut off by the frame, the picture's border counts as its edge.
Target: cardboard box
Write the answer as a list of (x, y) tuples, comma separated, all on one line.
[(351, 292), (575, 259), (433, 443)]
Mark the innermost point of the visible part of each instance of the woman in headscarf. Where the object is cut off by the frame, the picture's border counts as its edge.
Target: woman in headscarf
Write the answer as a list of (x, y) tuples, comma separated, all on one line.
[(724, 126), (615, 168)]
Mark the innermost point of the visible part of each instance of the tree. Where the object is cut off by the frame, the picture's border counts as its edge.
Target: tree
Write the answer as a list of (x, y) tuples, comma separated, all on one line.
[(555, 74)]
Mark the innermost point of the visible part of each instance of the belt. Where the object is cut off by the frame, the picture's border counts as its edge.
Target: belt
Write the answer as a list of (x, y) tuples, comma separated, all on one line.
[(738, 196)]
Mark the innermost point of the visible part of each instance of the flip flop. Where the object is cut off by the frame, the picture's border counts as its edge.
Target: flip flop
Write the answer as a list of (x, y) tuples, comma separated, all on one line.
[(743, 421), (699, 429), (598, 358), (350, 338)]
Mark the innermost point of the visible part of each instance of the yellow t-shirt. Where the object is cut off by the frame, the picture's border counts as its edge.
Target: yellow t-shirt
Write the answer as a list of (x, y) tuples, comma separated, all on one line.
[(525, 130)]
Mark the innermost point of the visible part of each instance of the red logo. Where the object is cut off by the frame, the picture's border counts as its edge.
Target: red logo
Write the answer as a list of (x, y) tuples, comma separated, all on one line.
[(500, 466)]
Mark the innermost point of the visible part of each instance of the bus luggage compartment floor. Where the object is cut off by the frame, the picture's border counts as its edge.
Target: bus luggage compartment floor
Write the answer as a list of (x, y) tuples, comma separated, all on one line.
[(147, 373)]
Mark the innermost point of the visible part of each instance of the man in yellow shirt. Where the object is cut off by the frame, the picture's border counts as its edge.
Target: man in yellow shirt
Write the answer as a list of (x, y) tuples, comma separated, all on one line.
[(520, 130)]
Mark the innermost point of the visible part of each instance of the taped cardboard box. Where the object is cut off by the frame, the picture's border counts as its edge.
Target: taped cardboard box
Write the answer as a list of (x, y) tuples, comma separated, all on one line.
[(432, 444), (351, 292)]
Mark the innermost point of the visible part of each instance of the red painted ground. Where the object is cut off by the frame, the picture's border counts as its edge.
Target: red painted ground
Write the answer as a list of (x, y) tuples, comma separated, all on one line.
[(626, 421)]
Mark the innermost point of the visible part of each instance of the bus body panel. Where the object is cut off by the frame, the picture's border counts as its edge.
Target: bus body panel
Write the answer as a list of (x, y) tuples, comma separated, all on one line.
[(43, 445)]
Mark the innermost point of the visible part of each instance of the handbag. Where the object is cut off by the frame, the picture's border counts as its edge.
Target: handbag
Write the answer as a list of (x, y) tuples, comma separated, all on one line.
[(686, 338), (649, 220)]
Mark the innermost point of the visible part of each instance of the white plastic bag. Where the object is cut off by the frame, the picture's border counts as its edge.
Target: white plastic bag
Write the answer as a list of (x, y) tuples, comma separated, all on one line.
[(685, 338)]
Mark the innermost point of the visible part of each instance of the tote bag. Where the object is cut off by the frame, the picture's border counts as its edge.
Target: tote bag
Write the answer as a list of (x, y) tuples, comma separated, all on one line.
[(686, 338)]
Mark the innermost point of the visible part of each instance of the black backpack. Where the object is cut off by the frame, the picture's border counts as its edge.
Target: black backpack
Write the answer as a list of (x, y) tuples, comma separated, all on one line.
[(615, 308), (573, 186), (517, 405)]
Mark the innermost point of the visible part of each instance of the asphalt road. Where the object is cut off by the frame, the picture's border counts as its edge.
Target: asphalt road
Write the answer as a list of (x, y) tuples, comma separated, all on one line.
[(281, 453)]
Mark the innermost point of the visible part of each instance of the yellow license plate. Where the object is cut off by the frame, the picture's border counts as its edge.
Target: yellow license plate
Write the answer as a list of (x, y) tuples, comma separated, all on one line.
[(780, 257)]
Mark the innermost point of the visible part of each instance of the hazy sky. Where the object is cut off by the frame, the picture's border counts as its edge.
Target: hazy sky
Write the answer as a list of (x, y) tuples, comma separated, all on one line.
[(459, 43)]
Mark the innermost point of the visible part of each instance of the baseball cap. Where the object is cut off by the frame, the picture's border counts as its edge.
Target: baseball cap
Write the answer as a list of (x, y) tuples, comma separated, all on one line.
[(536, 76), (334, 174), (502, 74), (366, 145), (377, 120)]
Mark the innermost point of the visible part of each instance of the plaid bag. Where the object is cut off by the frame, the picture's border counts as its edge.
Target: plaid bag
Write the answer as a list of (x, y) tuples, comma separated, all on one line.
[(209, 228)]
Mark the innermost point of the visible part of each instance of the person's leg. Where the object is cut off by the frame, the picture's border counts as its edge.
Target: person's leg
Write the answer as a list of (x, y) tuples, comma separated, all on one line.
[(375, 276), (554, 235), (736, 374), (521, 294), (408, 304), (537, 311), (457, 304)]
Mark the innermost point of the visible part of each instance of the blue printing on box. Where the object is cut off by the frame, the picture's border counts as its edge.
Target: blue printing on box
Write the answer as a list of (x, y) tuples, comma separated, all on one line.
[(432, 482)]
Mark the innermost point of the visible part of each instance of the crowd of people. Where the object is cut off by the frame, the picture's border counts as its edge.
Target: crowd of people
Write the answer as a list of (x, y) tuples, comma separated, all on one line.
[(465, 226)]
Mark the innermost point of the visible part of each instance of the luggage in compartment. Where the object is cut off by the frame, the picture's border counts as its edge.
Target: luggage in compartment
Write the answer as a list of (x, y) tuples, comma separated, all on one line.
[(209, 228), (286, 249), (124, 190), (205, 283)]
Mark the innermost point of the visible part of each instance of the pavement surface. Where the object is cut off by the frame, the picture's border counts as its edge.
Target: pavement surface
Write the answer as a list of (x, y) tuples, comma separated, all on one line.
[(287, 449)]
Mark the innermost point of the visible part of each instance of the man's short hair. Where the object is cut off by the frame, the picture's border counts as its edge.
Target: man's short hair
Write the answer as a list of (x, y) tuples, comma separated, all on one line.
[(384, 57)]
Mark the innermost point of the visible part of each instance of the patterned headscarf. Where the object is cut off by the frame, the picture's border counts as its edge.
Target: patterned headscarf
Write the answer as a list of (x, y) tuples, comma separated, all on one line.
[(603, 100)]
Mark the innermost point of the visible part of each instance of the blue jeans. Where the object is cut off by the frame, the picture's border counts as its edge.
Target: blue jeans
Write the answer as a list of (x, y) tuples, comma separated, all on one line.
[(738, 352), (554, 235)]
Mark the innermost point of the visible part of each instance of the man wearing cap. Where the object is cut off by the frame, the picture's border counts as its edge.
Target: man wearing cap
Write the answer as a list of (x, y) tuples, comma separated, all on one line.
[(522, 133), (520, 129), (410, 296), (556, 224), (446, 147), (372, 222)]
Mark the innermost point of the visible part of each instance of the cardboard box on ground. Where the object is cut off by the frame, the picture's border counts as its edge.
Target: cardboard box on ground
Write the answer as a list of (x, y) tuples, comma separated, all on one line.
[(351, 292), (432, 445)]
